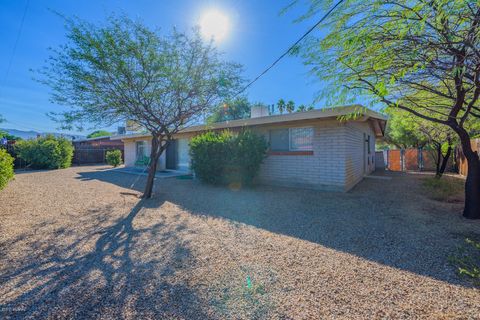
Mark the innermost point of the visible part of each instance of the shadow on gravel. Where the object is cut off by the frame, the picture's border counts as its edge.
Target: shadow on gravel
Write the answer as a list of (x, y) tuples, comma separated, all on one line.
[(114, 280), (386, 222)]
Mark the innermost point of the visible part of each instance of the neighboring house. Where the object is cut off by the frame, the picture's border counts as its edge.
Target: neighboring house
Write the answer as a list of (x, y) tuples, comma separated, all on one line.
[(93, 150), (312, 149)]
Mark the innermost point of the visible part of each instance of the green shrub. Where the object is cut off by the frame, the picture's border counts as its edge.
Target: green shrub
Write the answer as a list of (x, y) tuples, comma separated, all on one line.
[(114, 157), (6, 168), (467, 260), (225, 158), (46, 152)]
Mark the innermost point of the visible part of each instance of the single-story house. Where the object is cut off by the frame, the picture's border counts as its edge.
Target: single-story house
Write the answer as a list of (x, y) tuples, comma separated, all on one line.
[(324, 149)]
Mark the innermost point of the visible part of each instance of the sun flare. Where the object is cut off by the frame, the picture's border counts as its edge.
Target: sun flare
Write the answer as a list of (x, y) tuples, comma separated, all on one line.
[(215, 25)]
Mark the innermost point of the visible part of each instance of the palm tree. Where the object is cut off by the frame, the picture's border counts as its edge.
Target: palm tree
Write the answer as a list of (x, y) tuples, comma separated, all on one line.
[(290, 106), (281, 106)]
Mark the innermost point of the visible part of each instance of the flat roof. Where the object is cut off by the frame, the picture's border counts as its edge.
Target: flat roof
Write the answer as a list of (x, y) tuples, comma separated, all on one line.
[(333, 112)]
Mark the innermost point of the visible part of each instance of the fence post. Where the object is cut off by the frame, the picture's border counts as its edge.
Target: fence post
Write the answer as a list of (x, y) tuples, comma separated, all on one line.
[(420, 159)]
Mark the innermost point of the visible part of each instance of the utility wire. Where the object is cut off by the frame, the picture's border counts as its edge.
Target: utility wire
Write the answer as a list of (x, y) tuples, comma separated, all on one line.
[(17, 40), (290, 48)]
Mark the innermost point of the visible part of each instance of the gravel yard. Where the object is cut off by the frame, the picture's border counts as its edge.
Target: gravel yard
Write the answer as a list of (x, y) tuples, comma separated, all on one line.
[(78, 243)]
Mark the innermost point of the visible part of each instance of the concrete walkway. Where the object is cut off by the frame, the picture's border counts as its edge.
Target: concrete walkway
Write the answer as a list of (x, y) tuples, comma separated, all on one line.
[(143, 171)]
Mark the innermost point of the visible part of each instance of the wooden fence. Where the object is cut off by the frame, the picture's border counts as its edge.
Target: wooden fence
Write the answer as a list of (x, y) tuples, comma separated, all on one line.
[(411, 160), (461, 161), (91, 155)]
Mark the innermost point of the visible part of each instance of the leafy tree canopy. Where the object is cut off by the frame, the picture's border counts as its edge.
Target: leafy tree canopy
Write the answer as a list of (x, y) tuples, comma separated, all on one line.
[(419, 56), (124, 71), (99, 133), (238, 108)]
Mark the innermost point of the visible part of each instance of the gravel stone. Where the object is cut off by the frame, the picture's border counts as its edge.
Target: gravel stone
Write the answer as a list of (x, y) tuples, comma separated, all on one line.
[(79, 243)]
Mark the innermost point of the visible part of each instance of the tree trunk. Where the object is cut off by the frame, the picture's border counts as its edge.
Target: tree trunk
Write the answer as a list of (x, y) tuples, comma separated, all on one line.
[(438, 159), (472, 184), (154, 154), (444, 162)]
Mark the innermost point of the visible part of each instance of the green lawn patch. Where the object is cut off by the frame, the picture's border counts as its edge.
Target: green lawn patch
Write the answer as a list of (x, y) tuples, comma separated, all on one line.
[(445, 189)]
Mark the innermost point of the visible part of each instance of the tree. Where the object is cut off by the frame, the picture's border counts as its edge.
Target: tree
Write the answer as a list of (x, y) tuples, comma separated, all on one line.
[(290, 107), (239, 108), (6, 135), (301, 108), (125, 71), (422, 57), (405, 130), (281, 106), (99, 133)]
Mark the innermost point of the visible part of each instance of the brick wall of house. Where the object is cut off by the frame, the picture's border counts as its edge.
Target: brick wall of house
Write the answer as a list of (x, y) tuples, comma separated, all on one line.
[(355, 151), (324, 170), (336, 164)]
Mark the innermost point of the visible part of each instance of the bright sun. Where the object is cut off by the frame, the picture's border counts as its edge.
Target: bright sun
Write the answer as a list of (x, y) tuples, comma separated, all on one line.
[(214, 24)]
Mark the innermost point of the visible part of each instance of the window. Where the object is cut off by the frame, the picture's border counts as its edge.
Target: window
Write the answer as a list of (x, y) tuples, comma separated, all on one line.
[(301, 139), (279, 140), (140, 149), (291, 139)]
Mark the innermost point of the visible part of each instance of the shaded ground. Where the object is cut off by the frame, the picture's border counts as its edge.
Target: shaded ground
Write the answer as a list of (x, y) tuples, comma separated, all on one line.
[(77, 243)]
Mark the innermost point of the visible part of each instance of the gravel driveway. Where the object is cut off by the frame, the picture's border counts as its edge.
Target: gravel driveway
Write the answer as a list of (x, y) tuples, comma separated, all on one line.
[(79, 243)]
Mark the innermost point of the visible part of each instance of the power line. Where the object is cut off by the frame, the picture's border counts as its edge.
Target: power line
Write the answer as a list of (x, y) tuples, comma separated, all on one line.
[(16, 40), (290, 48)]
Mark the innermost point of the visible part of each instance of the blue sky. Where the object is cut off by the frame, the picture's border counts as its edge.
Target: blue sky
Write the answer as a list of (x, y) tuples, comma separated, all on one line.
[(258, 35)]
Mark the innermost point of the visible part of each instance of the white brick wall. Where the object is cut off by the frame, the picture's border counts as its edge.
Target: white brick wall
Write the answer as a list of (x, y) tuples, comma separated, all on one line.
[(130, 153), (324, 170), (355, 164)]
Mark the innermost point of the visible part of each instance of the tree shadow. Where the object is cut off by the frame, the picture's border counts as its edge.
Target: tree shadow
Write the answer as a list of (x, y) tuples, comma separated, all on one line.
[(113, 277), (388, 222)]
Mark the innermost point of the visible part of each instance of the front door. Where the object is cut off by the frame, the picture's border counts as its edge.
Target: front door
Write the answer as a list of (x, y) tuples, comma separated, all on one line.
[(171, 155)]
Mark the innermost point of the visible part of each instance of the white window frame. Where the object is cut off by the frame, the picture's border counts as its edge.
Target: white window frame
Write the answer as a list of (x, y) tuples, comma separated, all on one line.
[(290, 149), (290, 138)]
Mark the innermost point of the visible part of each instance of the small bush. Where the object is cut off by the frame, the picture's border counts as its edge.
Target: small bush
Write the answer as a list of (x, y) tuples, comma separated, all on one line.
[(467, 260), (114, 157), (46, 152), (225, 158), (6, 168)]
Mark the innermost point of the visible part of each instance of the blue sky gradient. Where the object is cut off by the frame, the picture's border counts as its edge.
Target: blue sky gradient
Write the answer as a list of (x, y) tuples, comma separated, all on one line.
[(258, 35)]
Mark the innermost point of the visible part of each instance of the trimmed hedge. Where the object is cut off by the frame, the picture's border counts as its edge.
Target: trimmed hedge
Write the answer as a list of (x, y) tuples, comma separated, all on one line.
[(114, 157), (226, 158), (6, 168), (46, 152)]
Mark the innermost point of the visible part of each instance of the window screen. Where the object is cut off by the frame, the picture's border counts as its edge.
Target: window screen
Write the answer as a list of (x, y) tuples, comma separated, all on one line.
[(301, 139), (279, 140)]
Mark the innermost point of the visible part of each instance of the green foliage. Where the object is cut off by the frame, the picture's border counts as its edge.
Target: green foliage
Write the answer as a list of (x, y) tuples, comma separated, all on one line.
[(238, 108), (403, 131), (4, 134), (400, 54), (6, 168), (114, 157), (281, 105), (46, 152), (290, 106), (100, 66), (226, 158), (99, 133), (467, 260)]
